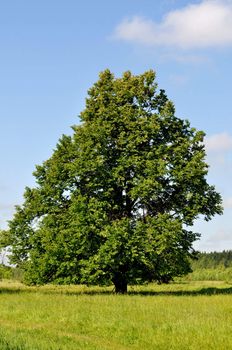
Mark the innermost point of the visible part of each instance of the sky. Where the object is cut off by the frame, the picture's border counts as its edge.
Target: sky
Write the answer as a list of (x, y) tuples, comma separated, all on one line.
[(51, 53)]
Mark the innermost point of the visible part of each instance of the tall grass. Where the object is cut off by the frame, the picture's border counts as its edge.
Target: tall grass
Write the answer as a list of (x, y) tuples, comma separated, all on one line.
[(220, 273), (183, 316)]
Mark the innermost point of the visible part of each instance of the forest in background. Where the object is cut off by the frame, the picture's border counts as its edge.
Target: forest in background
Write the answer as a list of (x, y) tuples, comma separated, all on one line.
[(213, 260)]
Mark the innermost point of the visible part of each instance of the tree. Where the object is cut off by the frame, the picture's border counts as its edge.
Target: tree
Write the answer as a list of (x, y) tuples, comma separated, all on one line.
[(4, 243), (116, 201)]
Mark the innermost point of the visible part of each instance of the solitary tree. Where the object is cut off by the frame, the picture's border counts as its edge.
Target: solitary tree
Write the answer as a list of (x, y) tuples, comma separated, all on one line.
[(116, 201)]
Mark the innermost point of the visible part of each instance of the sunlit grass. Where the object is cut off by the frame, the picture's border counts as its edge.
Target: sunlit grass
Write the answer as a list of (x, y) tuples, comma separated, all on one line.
[(196, 315), (220, 273)]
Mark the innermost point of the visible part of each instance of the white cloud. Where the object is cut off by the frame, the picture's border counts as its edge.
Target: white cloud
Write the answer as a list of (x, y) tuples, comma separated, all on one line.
[(178, 79), (185, 58), (227, 203), (206, 24), (221, 235), (219, 142)]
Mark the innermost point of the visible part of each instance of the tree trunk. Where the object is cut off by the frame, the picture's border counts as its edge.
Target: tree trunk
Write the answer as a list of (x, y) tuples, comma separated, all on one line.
[(120, 283)]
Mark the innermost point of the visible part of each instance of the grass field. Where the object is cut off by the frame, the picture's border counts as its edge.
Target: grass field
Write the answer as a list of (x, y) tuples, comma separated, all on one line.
[(193, 315)]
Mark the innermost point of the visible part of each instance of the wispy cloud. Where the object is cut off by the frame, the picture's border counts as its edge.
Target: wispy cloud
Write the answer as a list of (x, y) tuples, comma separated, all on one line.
[(181, 57), (203, 25), (221, 235), (227, 203), (178, 79), (219, 142)]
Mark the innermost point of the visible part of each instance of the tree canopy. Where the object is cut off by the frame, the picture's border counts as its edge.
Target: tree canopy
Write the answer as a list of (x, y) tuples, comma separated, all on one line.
[(116, 200)]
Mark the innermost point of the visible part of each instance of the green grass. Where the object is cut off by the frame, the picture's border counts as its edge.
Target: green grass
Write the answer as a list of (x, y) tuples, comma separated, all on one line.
[(193, 315), (220, 273)]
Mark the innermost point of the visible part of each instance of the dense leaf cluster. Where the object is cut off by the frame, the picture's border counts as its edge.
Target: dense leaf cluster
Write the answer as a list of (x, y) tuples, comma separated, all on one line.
[(115, 201)]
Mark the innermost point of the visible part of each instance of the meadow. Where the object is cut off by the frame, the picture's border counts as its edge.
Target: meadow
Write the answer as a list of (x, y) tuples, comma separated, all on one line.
[(185, 315)]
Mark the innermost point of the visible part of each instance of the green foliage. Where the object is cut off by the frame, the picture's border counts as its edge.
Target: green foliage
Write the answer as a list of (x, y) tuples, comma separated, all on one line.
[(5, 272), (115, 201), (4, 239), (10, 273)]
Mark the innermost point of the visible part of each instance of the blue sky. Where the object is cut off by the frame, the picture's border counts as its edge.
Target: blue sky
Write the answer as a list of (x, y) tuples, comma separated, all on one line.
[(52, 52)]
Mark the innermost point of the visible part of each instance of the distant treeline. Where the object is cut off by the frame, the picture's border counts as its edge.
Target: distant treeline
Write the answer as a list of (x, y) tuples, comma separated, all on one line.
[(213, 260)]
